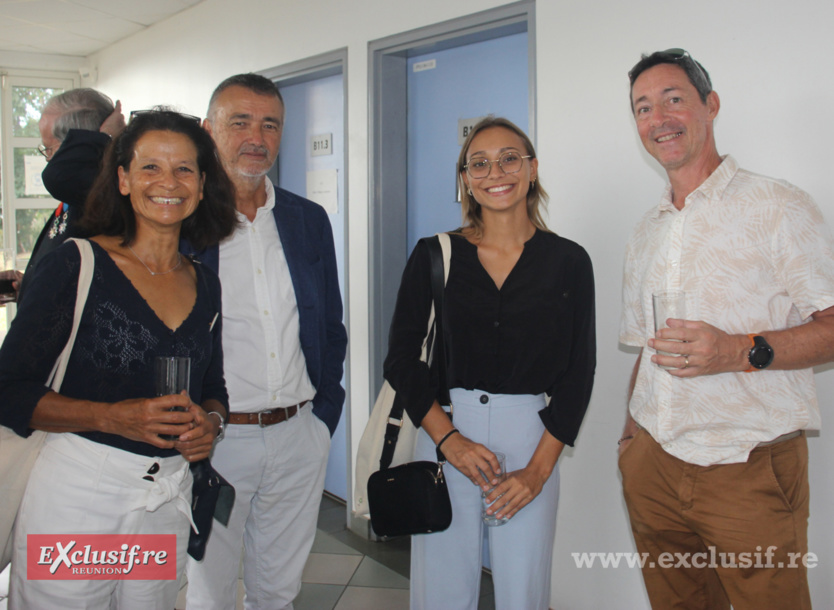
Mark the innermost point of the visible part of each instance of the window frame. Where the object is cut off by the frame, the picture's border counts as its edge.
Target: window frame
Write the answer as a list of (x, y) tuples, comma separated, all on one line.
[(9, 141), (10, 202)]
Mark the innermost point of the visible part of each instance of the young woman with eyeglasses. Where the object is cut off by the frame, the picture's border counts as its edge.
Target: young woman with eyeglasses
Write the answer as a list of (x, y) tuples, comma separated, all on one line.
[(521, 352)]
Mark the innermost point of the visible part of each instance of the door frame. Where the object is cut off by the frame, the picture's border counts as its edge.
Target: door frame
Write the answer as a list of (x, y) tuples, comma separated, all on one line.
[(387, 137)]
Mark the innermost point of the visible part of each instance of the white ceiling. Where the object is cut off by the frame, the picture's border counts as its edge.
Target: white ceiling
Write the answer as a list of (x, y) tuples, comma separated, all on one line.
[(78, 27)]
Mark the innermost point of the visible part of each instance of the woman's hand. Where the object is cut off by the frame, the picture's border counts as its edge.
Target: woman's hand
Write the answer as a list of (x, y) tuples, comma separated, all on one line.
[(522, 486), (516, 491), (468, 457), (144, 419), (196, 444)]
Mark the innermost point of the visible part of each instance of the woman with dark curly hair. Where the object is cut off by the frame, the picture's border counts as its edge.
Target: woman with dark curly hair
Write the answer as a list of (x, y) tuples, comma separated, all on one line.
[(105, 467)]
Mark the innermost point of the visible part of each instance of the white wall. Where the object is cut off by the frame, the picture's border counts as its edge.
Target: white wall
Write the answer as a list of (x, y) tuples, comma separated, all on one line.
[(770, 62)]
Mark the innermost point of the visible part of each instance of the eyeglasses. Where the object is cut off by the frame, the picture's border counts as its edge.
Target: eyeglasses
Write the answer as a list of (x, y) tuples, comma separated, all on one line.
[(683, 54), (510, 163), (47, 151), (196, 119)]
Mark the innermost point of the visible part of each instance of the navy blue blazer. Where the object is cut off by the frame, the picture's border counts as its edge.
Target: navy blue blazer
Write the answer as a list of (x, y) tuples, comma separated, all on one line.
[(307, 239)]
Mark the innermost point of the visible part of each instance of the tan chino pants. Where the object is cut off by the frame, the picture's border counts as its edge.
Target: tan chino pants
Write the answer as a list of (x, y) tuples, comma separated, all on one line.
[(715, 535)]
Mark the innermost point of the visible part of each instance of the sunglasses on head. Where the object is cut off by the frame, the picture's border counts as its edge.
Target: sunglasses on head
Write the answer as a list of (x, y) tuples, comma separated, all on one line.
[(683, 55), (191, 117)]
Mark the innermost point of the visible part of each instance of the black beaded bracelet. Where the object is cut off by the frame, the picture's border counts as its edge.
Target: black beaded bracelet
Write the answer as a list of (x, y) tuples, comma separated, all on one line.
[(448, 434)]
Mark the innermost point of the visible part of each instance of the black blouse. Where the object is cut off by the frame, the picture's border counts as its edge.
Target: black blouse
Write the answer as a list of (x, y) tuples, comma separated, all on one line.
[(536, 334)]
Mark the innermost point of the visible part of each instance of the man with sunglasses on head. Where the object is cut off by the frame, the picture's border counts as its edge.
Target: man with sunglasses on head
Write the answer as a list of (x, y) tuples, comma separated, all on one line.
[(713, 456), (284, 346), (75, 127)]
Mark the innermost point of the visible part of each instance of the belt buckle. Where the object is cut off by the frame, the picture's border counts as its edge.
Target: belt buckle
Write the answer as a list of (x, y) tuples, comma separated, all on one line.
[(261, 423)]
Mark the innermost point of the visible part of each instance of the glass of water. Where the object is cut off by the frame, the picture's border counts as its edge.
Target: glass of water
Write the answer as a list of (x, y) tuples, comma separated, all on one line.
[(172, 375), (492, 520)]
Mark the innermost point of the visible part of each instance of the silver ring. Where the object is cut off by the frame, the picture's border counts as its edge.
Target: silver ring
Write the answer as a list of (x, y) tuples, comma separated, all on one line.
[(685, 362)]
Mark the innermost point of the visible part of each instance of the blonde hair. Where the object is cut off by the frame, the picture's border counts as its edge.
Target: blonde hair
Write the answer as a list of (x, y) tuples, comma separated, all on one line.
[(471, 209)]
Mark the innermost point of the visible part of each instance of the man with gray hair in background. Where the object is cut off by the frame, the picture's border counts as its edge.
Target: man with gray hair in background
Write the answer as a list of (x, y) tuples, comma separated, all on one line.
[(75, 126)]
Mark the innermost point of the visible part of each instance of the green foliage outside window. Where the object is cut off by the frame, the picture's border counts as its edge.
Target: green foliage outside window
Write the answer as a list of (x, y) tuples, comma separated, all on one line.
[(27, 106)]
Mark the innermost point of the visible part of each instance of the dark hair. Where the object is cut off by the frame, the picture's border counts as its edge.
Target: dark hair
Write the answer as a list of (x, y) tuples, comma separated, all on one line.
[(79, 109), (254, 82), (109, 212), (471, 209), (695, 72)]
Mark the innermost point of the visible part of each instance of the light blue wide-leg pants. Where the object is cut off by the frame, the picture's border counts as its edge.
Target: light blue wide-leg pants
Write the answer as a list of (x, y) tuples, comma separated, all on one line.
[(446, 566)]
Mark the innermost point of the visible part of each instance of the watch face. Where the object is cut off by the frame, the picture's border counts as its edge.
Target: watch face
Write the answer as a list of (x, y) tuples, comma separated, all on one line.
[(761, 355)]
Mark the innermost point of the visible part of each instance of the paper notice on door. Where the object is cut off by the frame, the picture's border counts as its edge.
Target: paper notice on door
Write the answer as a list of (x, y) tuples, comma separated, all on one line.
[(322, 188)]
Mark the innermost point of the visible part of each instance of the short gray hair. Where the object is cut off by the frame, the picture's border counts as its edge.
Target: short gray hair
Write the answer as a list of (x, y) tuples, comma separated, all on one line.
[(253, 82), (78, 109)]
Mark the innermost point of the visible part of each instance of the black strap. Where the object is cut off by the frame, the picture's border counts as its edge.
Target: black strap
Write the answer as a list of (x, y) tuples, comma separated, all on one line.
[(435, 349), (438, 347)]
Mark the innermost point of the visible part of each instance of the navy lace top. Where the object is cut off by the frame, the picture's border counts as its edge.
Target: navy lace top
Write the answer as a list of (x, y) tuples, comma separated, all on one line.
[(118, 339)]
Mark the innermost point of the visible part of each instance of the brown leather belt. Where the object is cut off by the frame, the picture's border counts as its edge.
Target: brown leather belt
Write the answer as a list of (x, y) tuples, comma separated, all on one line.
[(266, 418)]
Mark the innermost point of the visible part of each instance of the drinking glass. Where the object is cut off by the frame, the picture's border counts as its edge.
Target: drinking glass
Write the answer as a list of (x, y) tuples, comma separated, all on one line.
[(668, 304), (172, 376), (492, 520)]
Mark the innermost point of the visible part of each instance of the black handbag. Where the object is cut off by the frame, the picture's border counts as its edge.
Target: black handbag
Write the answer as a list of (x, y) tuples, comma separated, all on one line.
[(212, 497), (413, 498)]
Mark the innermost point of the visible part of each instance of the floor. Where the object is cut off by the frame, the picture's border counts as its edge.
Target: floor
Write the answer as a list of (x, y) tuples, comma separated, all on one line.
[(348, 572)]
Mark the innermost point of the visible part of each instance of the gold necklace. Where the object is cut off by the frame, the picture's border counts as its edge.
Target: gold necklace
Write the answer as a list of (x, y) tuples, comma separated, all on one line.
[(174, 268)]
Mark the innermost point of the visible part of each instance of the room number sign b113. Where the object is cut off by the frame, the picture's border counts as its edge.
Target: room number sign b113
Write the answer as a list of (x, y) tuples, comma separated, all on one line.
[(321, 145)]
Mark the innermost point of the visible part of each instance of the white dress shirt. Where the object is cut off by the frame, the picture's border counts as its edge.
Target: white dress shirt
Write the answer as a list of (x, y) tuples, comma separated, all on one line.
[(263, 361), (753, 254)]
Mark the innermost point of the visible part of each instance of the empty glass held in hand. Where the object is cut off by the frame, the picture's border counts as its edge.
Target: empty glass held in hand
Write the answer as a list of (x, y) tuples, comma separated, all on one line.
[(172, 376), (492, 520), (668, 304)]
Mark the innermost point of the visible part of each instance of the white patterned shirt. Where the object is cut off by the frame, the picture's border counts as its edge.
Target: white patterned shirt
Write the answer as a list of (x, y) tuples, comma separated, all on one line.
[(753, 254), (263, 361)]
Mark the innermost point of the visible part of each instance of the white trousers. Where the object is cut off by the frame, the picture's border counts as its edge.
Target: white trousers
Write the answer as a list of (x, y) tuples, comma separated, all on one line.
[(446, 566), (278, 475), (81, 487)]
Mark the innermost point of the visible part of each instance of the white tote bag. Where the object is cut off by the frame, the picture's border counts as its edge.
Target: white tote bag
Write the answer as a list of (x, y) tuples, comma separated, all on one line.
[(370, 445), (18, 454)]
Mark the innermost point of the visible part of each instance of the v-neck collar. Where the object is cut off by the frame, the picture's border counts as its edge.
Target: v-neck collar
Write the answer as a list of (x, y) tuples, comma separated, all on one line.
[(102, 255), (474, 253)]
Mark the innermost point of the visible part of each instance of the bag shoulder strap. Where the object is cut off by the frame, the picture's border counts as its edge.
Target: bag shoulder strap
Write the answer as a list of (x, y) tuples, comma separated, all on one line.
[(85, 279), (440, 254), (439, 276)]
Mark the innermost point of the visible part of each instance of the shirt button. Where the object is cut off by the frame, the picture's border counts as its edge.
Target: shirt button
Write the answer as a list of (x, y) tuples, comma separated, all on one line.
[(272, 355), (259, 272), (496, 324), (484, 399), (266, 313)]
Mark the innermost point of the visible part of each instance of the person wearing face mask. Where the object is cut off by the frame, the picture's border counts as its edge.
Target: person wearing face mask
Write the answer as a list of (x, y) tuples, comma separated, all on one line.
[(75, 126)]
